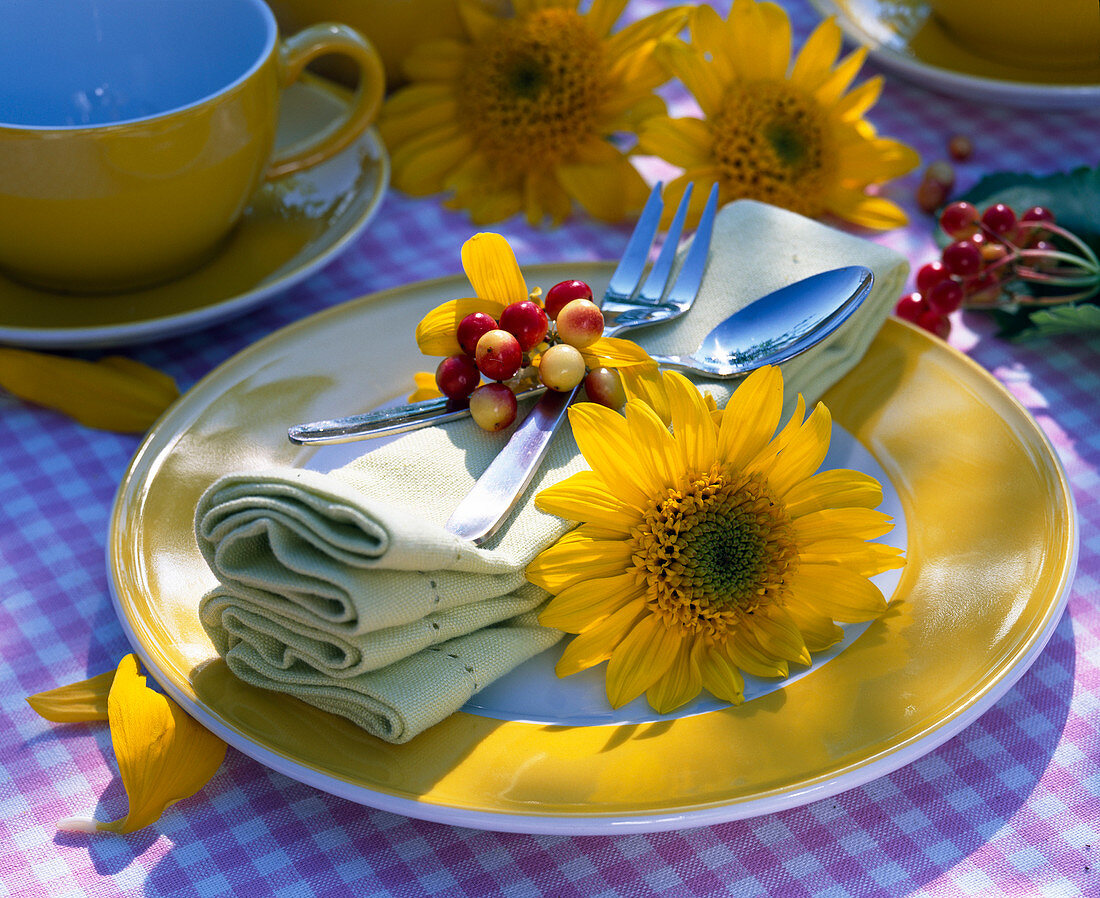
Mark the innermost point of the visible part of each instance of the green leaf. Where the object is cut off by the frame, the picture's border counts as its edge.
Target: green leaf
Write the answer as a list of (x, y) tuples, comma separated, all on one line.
[(1067, 319)]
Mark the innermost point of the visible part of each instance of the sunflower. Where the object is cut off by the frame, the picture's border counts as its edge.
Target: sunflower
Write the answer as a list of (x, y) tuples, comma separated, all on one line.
[(520, 115), (710, 549), (795, 140)]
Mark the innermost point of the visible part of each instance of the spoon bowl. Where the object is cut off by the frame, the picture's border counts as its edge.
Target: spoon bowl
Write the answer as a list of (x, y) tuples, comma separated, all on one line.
[(777, 327)]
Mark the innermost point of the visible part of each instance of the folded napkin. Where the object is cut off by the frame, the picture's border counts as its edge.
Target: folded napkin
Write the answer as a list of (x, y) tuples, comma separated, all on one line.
[(345, 590)]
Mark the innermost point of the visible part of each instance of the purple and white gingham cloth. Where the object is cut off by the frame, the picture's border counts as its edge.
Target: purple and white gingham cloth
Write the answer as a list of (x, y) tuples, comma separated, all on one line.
[(1010, 806)]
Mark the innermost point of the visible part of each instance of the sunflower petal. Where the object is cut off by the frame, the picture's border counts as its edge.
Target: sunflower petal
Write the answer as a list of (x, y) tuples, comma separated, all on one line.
[(615, 352), (579, 606), (657, 452), (584, 497), (863, 558), (640, 659), (840, 594), (747, 654), (435, 334), (695, 432), (112, 393), (680, 683), (595, 644), (683, 142), (805, 452), (817, 630), (576, 556), (606, 443), (76, 702), (491, 266), (721, 678), (426, 387), (831, 489), (751, 416), (163, 755), (779, 636), (840, 523), (645, 383)]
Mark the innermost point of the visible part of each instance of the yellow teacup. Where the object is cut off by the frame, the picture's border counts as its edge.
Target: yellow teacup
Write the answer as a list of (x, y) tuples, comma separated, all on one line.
[(1060, 34), (133, 133)]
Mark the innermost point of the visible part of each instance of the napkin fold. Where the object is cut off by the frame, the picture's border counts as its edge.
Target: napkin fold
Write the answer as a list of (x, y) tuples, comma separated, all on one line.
[(344, 588)]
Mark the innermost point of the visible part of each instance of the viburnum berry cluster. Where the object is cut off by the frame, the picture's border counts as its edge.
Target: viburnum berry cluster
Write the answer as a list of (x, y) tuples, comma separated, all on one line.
[(992, 254), (529, 343)]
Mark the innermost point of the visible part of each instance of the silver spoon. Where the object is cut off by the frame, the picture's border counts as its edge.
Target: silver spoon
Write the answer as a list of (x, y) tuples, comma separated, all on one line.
[(768, 331)]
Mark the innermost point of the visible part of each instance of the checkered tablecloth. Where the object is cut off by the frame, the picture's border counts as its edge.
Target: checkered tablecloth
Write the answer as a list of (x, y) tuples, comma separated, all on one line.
[(1010, 806)]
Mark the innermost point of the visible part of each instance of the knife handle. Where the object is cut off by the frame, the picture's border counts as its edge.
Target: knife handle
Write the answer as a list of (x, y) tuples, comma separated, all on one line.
[(482, 511)]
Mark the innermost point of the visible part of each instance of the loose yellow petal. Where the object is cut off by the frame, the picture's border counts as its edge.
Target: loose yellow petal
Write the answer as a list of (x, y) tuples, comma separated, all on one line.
[(614, 352), (113, 393), (85, 700), (435, 334), (491, 266), (426, 387), (163, 755)]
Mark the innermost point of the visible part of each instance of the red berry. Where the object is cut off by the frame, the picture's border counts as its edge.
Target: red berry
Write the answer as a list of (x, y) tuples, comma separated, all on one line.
[(498, 354), (526, 321), (561, 367), (603, 385), (945, 297), (1031, 234), (999, 219), (931, 274), (960, 147), (959, 219), (910, 307), (457, 376), (471, 328), (983, 290), (935, 323), (1037, 213), (558, 296), (963, 257), (580, 323), (493, 406)]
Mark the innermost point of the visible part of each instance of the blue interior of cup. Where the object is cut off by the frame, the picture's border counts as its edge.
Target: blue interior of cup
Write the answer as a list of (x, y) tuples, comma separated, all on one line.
[(80, 63)]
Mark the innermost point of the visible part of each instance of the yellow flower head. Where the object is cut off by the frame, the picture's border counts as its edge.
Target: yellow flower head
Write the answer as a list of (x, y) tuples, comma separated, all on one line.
[(519, 115), (792, 136), (708, 549)]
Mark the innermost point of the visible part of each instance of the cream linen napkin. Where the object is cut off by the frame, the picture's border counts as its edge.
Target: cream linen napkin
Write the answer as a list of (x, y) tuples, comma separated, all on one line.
[(343, 589)]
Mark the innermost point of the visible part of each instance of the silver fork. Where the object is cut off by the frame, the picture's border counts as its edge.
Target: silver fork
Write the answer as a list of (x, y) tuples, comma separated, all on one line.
[(483, 510)]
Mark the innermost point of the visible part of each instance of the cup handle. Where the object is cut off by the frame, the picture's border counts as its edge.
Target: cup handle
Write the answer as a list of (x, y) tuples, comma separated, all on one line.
[(295, 53)]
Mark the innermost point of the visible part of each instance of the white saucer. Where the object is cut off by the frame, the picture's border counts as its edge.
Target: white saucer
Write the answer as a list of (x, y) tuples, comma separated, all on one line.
[(293, 227)]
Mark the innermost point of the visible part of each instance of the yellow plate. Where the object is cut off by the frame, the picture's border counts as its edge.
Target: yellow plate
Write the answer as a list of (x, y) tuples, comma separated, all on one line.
[(991, 544), (291, 229), (904, 36)]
